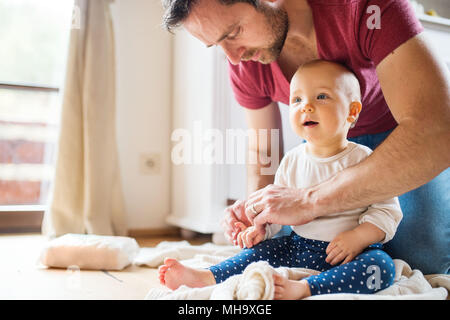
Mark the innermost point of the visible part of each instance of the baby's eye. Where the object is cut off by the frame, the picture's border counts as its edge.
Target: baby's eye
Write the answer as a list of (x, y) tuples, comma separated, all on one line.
[(322, 96), (296, 100)]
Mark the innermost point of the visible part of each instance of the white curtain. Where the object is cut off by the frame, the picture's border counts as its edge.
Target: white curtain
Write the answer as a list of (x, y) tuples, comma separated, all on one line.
[(86, 195)]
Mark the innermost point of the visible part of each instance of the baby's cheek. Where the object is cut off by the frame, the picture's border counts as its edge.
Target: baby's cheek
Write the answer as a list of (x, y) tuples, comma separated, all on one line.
[(294, 120)]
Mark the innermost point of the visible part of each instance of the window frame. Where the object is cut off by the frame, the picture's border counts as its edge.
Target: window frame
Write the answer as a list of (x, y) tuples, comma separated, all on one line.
[(22, 86), (20, 218), (23, 218)]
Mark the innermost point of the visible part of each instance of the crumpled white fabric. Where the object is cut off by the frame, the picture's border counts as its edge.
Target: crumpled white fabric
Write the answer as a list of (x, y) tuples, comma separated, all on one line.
[(203, 255), (89, 251), (256, 282)]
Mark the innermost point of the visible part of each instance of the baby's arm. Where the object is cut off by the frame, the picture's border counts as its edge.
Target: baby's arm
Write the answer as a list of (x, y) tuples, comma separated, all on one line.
[(377, 224), (348, 244)]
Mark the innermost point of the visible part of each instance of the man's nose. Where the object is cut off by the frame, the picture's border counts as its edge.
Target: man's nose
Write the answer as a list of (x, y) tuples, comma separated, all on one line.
[(308, 108), (233, 54)]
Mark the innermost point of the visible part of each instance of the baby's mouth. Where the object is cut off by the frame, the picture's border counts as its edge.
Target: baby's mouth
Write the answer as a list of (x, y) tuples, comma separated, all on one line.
[(310, 123)]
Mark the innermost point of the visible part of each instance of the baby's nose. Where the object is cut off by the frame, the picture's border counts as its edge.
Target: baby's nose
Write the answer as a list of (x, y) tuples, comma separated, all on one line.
[(308, 108)]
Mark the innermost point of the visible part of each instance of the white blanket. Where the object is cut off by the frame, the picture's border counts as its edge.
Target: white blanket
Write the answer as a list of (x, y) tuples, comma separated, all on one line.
[(256, 282)]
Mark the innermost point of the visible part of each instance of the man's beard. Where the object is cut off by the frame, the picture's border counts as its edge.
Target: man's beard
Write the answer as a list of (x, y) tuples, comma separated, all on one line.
[(277, 19)]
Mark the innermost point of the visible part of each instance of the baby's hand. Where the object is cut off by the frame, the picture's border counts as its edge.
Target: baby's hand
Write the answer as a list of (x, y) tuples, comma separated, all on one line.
[(251, 236), (346, 246)]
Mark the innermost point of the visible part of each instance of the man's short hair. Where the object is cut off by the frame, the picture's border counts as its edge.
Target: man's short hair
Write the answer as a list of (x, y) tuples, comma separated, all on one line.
[(176, 11)]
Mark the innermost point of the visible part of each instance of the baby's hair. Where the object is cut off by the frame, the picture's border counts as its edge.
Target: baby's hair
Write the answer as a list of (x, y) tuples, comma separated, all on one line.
[(355, 94)]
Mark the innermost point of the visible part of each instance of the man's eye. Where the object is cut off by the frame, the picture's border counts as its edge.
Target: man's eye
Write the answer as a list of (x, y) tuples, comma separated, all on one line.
[(296, 100), (322, 96), (235, 34)]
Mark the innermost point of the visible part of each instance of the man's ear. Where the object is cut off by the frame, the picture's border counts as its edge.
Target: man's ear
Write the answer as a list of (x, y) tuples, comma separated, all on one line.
[(355, 109)]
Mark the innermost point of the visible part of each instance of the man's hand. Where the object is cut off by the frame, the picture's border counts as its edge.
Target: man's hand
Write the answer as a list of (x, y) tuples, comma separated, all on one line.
[(251, 236), (280, 205), (346, 246), (235, 221)]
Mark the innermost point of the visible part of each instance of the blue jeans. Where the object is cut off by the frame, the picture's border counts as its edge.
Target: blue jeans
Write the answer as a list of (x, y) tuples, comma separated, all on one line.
[(423, 236)]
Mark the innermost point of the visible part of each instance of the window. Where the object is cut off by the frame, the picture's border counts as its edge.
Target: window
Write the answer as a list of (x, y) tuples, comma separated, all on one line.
[(34, 39)]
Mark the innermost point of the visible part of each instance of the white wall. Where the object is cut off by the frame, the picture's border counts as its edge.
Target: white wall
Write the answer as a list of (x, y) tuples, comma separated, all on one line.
[(442, 7), (198, 188), (237, 188), (144, 76)]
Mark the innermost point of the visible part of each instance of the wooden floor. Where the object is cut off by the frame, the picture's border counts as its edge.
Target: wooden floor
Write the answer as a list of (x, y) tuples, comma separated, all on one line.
[(22, 278)]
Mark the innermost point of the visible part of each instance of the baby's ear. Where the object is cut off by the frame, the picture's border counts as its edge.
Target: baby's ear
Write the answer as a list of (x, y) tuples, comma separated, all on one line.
[(355, 108)]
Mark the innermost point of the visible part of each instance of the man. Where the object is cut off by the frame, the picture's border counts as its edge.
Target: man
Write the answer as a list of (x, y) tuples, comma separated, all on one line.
[(406, 109)]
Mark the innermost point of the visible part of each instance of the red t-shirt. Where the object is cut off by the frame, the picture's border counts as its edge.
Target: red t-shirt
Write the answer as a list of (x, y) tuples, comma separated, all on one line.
[(343, 36)]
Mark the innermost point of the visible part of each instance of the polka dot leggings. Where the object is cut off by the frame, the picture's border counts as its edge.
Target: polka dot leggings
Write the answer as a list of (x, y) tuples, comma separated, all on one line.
[(369, 272)]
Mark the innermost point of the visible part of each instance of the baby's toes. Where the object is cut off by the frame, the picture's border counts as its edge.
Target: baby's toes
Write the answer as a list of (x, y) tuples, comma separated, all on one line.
[(278, 280), (161, 278), (278, 292), (162, 269)]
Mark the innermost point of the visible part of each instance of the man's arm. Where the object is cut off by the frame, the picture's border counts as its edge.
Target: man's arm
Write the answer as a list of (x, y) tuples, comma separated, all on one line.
[(260, 173), (416, 86)]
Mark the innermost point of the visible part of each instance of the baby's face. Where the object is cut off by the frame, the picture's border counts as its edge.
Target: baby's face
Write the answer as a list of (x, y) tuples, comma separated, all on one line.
[(320, 103)]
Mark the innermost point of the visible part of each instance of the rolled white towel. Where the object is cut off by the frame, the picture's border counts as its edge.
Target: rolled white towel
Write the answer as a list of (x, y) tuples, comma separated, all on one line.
[(256, 282), (89, 251)]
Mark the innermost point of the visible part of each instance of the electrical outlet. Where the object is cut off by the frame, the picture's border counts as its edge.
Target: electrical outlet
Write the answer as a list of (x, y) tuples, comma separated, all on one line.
[(150, 163)]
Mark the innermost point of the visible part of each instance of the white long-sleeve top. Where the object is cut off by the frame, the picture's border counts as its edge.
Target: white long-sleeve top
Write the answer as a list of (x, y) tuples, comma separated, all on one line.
[(298, 169)]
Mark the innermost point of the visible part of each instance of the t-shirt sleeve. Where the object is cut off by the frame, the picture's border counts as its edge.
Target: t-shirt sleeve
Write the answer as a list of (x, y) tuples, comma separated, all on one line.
[(386, 215), (384, 26), (244, 82)]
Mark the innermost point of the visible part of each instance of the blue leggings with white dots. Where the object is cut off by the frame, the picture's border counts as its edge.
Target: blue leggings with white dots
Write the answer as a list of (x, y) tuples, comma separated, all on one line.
[(369, 272)]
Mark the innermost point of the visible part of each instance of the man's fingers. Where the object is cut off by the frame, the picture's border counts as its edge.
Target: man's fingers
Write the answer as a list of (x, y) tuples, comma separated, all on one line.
[(228, 222), (254, 197), (262, 218), (253, 210), (234, 213), (240, 226), (238, 213)]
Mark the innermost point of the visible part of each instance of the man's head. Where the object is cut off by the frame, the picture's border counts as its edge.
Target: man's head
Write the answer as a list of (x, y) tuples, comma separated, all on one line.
[(325, 101), (245, 29)]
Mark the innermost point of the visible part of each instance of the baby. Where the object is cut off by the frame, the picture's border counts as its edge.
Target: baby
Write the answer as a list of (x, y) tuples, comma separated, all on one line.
[(324, 104)]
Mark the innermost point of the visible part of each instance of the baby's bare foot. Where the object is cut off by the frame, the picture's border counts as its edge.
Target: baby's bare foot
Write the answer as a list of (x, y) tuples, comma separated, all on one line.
[(173, 274), (286, 289)]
